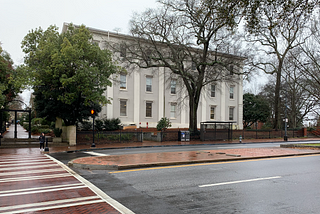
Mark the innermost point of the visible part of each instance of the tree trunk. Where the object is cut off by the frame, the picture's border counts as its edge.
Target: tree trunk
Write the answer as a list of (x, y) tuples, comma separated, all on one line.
[(277, 101)]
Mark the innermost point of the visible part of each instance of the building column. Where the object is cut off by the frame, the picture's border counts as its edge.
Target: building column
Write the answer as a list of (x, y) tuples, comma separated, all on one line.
[(240, 104), (136, 98), (161, 93), (204, 107), (223, 101), (109, 108)]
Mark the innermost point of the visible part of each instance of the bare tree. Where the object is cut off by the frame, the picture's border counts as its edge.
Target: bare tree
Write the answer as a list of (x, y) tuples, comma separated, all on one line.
[(185, 36), (277, 33)]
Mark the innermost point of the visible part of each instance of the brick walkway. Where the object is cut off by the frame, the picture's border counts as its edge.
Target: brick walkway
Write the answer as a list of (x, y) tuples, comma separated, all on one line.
[(39, 184), (185, 157)]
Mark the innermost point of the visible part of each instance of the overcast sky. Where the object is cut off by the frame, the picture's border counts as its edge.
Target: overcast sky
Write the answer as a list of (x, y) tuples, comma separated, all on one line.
[(18, 17)]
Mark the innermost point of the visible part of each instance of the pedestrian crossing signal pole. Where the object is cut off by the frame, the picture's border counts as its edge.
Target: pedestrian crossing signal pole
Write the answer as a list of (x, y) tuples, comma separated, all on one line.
[(93, 116)]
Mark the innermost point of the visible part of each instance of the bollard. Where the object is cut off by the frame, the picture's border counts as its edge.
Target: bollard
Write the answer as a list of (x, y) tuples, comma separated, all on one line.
[(47, 148), (240, 139)]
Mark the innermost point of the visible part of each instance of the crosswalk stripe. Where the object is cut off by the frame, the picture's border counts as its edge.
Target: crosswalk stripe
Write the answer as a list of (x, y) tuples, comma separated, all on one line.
[(29, 167), (23, 161), (31, 163), (41, 191), (48, 203), (36, 188), (30, 172), (35, 177), (20, 159)]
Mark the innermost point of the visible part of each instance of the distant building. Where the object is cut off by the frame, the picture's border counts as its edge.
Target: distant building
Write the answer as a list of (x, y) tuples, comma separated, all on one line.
[(143, 96)]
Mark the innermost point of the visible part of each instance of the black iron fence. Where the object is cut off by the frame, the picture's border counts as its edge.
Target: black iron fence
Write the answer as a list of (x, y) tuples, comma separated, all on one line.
[(266, 134), (86, 137)]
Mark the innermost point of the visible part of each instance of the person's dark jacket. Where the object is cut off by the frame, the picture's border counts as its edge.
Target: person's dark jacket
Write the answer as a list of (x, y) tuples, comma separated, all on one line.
[(42, 138)]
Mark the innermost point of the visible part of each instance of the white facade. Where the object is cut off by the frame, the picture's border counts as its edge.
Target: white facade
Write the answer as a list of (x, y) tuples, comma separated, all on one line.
[(143, 96)]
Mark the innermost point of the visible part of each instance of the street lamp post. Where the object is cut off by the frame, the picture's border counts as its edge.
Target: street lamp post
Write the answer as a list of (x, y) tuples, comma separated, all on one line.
[(285, 115), (93, 116)]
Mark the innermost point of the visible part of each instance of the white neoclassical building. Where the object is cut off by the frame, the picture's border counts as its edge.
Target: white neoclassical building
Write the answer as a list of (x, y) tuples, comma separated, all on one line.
[(142, 97)]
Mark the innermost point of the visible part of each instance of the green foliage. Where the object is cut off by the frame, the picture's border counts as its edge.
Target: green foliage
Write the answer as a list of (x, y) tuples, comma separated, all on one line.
[(126, 137), (163, 124), (98, 125), (112, 124), (86, 125), (113, 137), (36, 121), (255, 108), (35, 129), (8, 90), (87, 137), (69, 73), (44, 130), (57, 132), (100, 135)]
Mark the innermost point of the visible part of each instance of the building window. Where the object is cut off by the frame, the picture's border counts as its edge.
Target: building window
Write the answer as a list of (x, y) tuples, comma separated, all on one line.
[(213, 91), (148, 109), (123, 81), (212, 108), (173, 86), (173, 110), (231, 113), (149, 84), (123, 107), (123, 51), (231, 92)]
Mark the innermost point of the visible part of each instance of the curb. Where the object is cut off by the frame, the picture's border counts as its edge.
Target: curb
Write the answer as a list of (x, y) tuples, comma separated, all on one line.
[(173, 145), (145, 165)]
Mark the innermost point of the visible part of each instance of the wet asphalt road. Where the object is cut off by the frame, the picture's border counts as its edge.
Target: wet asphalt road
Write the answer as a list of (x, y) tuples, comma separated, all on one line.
[(281, 185)]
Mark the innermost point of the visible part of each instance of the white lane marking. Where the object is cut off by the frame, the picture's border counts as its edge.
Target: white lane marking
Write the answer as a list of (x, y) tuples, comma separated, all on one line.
[(31, 172), (31, 163), (115, 204), (236, 182), (48, 203), (29, 167), (54, 207), (34, 177), (36, 188), (42, 191), (96, 154)]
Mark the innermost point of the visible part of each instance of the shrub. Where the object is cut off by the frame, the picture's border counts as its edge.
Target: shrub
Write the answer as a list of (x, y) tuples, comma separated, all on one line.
[(163, 124), (44, 130), (34, 129), (57, 132), (112, 124), (87, 137), (36, 121), (126, 137), (98, 125), (113, 137), (86, 125)]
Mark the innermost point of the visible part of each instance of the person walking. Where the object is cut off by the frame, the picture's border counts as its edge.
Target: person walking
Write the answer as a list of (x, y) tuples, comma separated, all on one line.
[(42, 139)]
